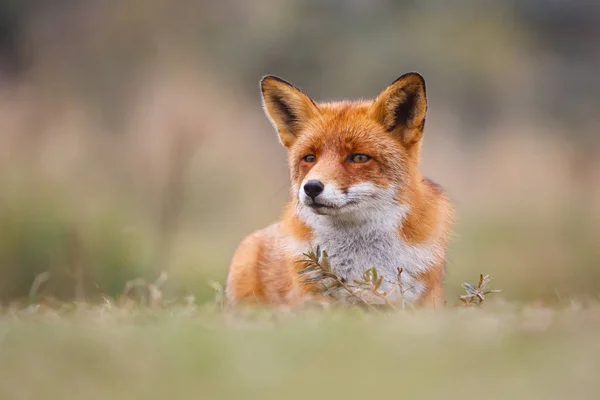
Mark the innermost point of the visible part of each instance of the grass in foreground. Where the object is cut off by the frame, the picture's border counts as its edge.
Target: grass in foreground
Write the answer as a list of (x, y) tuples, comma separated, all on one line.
[(498, 351)]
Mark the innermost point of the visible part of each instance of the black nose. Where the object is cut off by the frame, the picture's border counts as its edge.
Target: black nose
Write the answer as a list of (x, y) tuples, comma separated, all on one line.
[(313, 188)]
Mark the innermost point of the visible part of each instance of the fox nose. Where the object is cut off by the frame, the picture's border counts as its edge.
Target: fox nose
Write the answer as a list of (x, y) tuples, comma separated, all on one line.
[(313, 188)]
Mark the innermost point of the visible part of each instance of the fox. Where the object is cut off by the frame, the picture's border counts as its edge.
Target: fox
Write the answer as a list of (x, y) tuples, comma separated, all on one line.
[(356, 193)]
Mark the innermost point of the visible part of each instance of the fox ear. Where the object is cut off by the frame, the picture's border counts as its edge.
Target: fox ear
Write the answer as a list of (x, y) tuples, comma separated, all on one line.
[(402, 106), (286, 107)]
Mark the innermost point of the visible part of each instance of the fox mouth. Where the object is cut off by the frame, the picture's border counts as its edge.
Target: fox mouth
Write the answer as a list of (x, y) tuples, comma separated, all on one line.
[(321, 206)]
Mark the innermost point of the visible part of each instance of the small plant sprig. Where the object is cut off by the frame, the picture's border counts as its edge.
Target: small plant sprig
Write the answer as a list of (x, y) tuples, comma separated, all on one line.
[(317, 268), (371, 281), (476, 294)]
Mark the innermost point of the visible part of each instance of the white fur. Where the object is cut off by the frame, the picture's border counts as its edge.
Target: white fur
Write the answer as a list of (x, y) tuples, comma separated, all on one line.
[(365, 234)]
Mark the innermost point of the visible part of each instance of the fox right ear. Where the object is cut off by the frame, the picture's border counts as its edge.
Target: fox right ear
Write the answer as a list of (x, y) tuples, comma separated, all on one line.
[(286, 107), (402, 106)]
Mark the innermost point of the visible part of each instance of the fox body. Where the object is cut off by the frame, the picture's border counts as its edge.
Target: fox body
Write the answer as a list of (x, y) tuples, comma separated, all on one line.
[(357, 193)]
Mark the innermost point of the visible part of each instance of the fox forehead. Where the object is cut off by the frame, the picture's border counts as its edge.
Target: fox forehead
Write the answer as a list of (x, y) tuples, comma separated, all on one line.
[(344, 127)]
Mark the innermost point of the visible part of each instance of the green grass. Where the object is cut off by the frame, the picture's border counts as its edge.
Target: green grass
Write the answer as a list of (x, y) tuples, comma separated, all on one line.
[(498, 351)]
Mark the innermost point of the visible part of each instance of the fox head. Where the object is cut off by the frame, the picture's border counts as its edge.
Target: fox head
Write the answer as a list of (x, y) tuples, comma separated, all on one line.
[(348, 159)]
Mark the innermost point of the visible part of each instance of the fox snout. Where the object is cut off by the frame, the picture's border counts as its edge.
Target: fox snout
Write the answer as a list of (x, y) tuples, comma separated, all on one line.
[(319, 195), (327, 197), (313, 188)]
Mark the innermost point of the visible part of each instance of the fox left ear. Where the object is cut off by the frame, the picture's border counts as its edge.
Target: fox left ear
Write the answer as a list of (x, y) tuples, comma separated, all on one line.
[(287, 107), (402, 106)]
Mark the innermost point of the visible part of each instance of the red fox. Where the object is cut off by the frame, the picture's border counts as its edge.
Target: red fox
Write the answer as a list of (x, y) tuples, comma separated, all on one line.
[(357, 193)]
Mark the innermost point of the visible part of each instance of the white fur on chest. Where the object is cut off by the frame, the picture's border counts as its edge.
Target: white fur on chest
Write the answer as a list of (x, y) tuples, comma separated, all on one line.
[(353, 248)]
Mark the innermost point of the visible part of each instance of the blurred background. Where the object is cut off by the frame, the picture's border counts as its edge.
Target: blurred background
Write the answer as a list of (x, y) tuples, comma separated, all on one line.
[(132, 139)]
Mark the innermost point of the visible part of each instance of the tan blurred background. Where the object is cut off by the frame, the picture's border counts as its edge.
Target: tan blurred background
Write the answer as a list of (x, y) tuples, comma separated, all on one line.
[(133, 140)]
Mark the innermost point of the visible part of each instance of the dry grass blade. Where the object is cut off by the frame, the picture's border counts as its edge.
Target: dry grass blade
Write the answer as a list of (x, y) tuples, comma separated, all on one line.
[(219, 295), (153, 295), (39, 280)]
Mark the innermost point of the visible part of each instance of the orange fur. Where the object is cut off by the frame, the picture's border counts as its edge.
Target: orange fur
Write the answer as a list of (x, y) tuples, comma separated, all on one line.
[(264, 268)]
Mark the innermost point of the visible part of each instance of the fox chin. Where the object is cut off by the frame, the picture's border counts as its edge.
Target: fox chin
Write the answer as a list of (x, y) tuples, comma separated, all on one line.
[(357, 193)]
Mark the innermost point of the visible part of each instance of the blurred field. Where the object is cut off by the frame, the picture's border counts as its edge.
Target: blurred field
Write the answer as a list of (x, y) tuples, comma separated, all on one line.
[(498, 352), (132, 143)]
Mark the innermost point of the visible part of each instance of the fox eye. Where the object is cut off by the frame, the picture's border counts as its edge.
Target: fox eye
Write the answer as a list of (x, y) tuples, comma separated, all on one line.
[(310, 158), (359, 158)]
